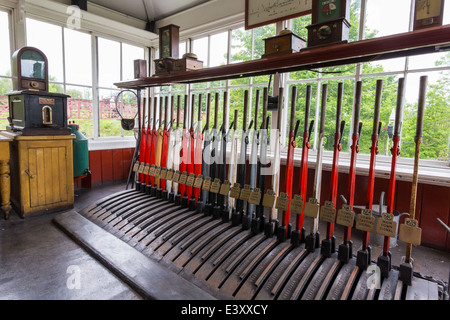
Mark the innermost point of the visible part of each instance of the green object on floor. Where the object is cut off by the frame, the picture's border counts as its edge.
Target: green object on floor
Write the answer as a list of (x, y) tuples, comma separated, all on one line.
[(80, 152)]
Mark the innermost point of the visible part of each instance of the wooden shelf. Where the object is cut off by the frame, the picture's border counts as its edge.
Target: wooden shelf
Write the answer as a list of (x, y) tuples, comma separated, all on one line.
[(394, 46)]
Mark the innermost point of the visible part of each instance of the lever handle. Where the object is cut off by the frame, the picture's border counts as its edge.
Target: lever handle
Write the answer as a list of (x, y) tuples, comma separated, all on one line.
[(311, 126), (296, 129), (342, 130)]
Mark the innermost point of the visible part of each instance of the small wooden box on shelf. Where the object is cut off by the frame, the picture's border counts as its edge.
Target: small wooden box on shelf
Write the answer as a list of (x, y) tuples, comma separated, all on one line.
[(189, 62), (286, 42)]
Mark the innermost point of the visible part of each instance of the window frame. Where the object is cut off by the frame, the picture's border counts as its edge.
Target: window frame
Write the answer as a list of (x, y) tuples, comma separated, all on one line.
[(122, 141), (10, 17), (9, 13), (98, 87)]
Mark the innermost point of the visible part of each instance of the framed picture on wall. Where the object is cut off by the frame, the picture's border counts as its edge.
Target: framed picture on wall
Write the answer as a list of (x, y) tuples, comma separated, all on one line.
[(262, 12)]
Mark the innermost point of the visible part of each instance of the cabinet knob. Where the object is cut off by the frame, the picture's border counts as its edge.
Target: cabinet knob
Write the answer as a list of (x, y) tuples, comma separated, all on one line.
[(32, 176)]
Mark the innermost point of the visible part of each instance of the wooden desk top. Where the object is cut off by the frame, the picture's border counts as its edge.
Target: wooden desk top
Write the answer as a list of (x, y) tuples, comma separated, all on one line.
[(5, 138), (10, 136)]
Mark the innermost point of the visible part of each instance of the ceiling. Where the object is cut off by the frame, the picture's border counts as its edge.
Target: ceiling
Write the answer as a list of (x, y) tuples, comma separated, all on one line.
[(149, 10)]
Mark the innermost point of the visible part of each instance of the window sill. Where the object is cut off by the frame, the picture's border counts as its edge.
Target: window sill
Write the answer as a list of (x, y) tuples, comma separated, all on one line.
[(110, 143), (430, 172)]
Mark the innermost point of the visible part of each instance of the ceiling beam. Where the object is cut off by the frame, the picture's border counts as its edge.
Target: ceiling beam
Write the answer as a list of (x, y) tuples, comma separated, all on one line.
[(150, 9)]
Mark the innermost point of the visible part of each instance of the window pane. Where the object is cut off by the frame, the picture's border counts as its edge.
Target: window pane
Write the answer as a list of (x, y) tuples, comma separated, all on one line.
[(240, 81), (299, 26), (260, 34), (55, 87), (388, 103), (428, 60), (182, 48), (178, 88), (300, 110), (347, 106), (303, 75), (5, 86), (436, 130), (200, 85), (196, 95), (260, 107), (200, 48), (79, 108), (389, 65), (180, 116), (5, 53), (127, 105), (219, 49), (446, 14), (129, 54), (236, 102), (386, 17), (218, 84), (108, 62), (38, 35), (110, 125), (355, 17), (241, 45), (109, 119), (78, 57), (344, 70), (261, 79)]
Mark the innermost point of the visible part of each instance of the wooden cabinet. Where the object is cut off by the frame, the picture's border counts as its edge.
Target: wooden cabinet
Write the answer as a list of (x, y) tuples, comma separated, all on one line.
[(5, 181), (41, 173)]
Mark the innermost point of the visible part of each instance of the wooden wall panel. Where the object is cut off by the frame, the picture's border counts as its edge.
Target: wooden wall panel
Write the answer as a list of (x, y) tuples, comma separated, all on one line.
[(342, 189), (435, 204), (310, 184), (117, 161), (447, 243), (127, 155), (403, 199), (402, 196), (95, 166), (107, 166), (325, 189)]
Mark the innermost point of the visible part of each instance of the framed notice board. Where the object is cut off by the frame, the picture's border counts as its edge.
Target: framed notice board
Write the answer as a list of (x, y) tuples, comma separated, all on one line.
[(262, 12)]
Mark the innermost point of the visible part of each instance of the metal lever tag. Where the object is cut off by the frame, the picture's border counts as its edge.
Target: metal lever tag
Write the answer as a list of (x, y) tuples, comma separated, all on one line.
[(409, 232), (386, 226)]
